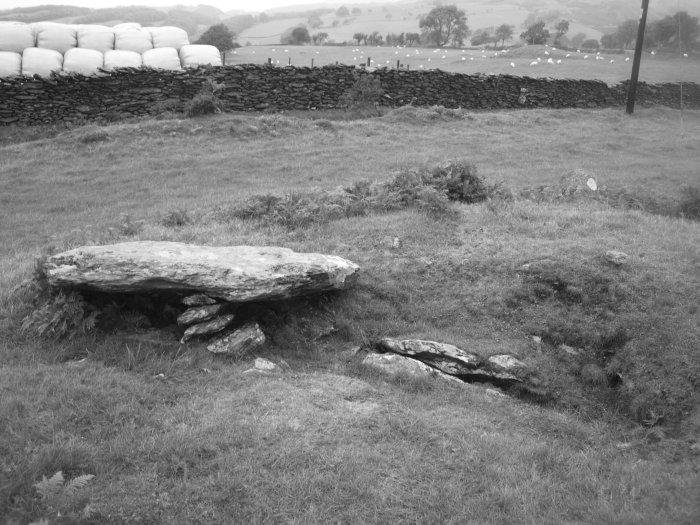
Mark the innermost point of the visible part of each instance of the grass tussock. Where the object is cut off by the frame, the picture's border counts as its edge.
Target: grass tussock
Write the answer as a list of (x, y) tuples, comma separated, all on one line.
[(423, 115), (428, 190)]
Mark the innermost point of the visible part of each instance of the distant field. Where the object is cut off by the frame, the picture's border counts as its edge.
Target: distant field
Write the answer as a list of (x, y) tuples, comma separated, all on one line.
[(654, 68)]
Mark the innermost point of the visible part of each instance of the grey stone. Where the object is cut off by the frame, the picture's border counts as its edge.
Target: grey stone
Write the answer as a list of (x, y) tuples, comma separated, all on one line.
[(507, 362), (199, 314), (198, 299), (239, 342), (232, 273), (395, 364), (616, 257), (208, 328), (445, 357), (264, 364)]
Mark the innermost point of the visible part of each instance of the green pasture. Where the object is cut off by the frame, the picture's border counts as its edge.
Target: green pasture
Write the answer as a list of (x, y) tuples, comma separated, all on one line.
[(655, 69), (173, 434)]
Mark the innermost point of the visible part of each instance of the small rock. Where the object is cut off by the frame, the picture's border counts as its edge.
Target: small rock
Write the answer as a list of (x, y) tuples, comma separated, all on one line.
[(569, 349), (199, 299), (199, 314), (239, 342), (264, 364), (507, 362), (391, 242), (615, 257), (494, 392), (537, 339), (210, 327)]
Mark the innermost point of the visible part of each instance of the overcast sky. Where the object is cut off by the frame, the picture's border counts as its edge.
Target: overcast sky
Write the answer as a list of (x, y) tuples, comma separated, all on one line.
[(224, 5)]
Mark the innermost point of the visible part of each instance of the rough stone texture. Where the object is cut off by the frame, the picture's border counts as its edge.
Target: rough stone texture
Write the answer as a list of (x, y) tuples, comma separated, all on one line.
[(616, 257), (507, 362), (130, 92), (198, 299), (210, 327), (395, 364), (232, 273), (264, 364), (501, 370), (445, 357), (199, 314), (239, 342)]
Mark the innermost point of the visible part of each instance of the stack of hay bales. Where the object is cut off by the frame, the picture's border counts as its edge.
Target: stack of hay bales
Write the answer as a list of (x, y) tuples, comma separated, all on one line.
[(46, 47)]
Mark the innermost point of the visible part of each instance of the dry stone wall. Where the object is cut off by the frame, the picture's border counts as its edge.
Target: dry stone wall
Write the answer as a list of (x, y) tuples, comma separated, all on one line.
[(146, 91)]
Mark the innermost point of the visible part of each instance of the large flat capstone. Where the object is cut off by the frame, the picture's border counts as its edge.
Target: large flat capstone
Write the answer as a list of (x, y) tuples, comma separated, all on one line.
[(231, 273)]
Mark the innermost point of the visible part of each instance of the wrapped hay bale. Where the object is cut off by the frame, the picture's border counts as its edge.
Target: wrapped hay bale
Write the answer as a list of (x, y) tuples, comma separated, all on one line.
[(128, 25), (16, 36), (129, 39), (99, 38), (83, 61), (50, 35), (10, 64), (41, 61), (162, 58), (168, 36), (117, 58), (194, 55)]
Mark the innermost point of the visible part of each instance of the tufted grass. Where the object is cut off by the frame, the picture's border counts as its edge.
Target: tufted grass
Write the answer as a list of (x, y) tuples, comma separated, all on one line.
[(175, 435)]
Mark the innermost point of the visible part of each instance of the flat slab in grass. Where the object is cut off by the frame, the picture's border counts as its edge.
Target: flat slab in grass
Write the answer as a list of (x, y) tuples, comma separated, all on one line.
[(233, 273)]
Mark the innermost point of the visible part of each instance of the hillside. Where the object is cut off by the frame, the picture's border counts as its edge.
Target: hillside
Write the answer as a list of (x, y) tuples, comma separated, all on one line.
[(590, 17)]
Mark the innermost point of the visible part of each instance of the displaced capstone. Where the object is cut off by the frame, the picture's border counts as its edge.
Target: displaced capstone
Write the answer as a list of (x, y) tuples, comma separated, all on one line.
[(239, 342), (231, 273), (210, 327), (199, 314), (394, 364), (445, 357)]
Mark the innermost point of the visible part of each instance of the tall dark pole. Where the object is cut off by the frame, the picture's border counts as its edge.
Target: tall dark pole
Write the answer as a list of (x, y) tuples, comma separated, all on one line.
[(632, 92)]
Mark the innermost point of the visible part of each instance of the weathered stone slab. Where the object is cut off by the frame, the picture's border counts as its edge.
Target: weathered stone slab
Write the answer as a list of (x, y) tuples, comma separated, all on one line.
[(445, 357), (232, 273), (199, 314), (395, 364), (198, 299), (452, 360), (239, 342), (208, 328)]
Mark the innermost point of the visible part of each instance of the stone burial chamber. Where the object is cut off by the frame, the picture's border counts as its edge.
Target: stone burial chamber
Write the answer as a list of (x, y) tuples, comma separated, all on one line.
[(210, 289)]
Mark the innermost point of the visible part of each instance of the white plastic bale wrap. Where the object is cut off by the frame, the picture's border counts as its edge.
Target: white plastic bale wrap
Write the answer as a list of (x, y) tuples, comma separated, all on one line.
[(60, 37), (128, 25), (199, 55), (83, 61), (117, 58), (16, 36), (162, 58), (132, 40), (99, 38), (40, 61), (168, 36), (10, 64)]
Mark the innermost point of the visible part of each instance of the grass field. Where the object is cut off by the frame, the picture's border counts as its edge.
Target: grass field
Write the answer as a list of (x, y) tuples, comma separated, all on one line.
[(654, 69), (174, 435)]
